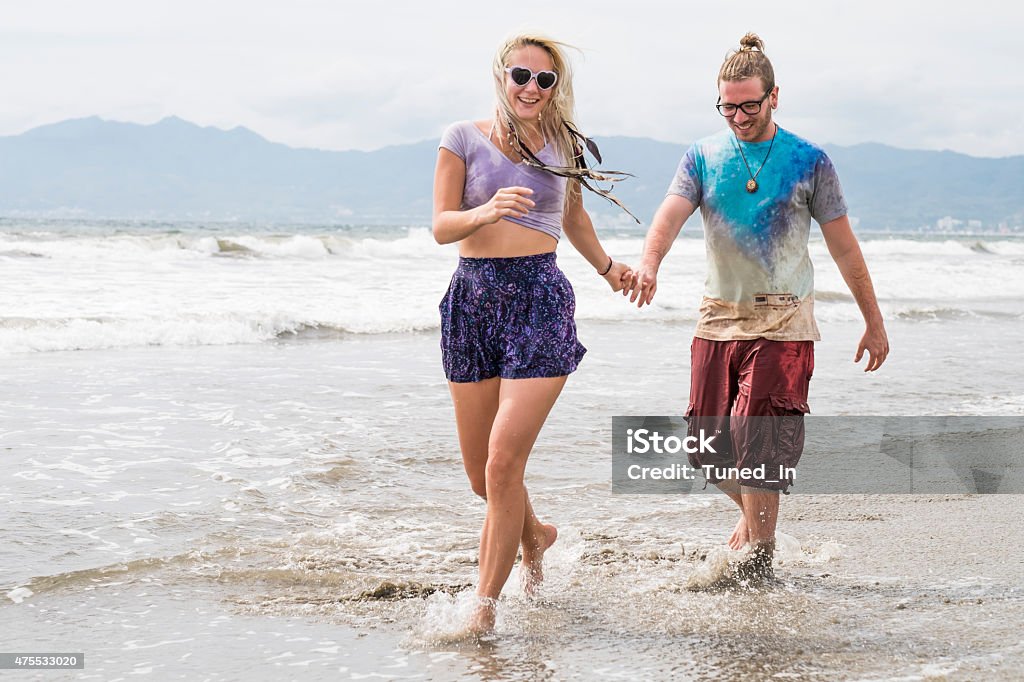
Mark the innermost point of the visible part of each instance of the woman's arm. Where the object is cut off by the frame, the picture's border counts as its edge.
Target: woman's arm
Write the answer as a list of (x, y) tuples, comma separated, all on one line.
[(451, 224), (579, 228)]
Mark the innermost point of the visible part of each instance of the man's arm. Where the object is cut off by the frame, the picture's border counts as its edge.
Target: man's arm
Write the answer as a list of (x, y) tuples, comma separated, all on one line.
[(672, 214), (842, 245)]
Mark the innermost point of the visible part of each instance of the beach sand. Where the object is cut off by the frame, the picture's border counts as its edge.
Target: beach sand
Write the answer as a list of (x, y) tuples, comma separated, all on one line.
[(298, 509)]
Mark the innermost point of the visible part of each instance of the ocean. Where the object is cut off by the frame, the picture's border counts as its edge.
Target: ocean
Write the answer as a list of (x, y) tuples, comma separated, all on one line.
[(231, 454)]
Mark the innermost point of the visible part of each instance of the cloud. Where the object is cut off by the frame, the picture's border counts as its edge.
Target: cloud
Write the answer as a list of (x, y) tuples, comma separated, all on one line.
[(340, 75)]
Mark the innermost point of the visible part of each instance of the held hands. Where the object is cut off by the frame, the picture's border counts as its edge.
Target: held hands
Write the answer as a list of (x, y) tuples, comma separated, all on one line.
[(507, 202), (641, 285), (876, 343), (618, 276)]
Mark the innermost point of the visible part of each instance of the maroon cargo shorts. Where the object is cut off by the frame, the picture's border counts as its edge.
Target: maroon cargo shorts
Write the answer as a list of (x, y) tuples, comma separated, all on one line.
[(753, 396)]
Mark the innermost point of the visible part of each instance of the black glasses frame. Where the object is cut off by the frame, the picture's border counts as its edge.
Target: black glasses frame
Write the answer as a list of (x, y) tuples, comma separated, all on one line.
[(751, 108)]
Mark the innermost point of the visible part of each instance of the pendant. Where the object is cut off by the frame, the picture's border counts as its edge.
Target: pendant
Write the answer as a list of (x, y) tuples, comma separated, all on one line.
[(751, 185)]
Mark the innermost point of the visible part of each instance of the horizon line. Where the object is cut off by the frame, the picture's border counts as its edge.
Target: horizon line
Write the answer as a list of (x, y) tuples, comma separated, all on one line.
[(240, 127)]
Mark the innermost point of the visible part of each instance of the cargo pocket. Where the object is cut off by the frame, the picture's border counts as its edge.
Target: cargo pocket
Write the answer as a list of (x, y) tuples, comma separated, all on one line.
[(785, 404), (693, 429), (788, 429)]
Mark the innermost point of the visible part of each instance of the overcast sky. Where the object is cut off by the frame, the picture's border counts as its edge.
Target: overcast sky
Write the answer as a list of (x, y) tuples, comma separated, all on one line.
[(342, 75)]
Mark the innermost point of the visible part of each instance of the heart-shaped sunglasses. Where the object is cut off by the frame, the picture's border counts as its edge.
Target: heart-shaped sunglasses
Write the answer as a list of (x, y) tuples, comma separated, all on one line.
[(522, 75)]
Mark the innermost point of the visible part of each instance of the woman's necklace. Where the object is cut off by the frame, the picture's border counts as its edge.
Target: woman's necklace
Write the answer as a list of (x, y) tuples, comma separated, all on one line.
[(512, 147), (752, 182)]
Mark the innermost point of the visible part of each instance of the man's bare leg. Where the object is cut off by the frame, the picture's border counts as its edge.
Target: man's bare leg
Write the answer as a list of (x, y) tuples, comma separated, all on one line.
[(740, 535), (761, 513)]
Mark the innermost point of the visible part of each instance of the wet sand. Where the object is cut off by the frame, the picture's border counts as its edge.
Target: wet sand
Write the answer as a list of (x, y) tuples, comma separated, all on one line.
[(298, 510)]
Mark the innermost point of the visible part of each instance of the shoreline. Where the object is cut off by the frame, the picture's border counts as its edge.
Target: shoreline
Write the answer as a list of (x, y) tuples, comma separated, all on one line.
[(224, 507)]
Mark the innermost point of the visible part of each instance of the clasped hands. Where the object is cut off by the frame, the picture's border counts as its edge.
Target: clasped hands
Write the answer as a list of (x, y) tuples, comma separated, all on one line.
[(640, 284)]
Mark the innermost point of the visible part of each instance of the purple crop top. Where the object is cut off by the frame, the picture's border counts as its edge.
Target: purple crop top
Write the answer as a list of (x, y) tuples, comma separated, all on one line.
[(488, 170)]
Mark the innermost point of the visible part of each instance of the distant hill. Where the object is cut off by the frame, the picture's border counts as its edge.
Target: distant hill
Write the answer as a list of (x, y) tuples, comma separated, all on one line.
[(176, 170)]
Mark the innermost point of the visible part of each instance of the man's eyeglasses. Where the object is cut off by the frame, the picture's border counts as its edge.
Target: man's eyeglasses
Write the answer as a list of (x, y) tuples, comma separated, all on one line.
[(522, 75), (749, 108)]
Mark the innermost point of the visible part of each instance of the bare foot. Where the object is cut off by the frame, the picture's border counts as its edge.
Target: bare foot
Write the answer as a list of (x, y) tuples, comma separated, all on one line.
[(753, 572), (756, 569), (740, 537), (481, 623), (531, 572)]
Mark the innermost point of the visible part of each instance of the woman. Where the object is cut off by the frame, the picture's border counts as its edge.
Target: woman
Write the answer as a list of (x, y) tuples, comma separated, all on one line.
[(508, 336)]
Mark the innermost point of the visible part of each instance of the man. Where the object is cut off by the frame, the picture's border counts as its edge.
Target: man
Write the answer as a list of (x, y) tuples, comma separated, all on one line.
[(757, 186)]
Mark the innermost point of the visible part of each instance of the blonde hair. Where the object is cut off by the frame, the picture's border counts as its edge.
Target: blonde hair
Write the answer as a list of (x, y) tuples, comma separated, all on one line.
[(556, 121), (749, 61), (560, 109)]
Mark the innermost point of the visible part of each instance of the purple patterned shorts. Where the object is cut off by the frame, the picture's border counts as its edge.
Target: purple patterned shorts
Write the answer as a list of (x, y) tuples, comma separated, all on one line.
[(510, 318)]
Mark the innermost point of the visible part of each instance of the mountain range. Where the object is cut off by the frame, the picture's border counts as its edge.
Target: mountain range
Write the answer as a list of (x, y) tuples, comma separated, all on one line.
[(176, 170)]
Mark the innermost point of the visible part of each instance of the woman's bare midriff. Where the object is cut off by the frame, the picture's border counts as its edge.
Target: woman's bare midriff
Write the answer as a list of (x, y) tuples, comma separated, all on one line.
[(505, 239)]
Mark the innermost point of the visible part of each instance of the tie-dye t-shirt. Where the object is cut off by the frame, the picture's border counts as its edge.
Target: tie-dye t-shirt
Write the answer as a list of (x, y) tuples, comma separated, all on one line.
[(760, 280)]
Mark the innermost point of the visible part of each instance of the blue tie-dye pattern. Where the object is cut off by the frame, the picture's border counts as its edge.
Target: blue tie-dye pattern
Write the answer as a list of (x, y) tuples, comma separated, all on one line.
[(760, 280), (760, 223)]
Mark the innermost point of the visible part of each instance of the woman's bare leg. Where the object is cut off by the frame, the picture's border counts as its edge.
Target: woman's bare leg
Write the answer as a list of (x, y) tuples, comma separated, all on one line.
[(523, 405), (476, 405)]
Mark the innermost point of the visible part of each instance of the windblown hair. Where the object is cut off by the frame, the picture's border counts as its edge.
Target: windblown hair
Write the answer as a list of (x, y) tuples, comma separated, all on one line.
[(556, 121), (749, 61), (562, 106)]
